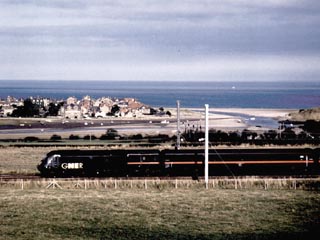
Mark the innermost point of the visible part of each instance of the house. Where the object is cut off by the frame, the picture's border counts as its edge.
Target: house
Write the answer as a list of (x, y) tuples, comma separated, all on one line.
[(103, 111), (71, 112), (102, 106), (7, 111), (71, 100)]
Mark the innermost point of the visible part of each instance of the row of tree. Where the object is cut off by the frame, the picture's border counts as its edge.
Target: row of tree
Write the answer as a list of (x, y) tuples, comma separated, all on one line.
[(245, 135), (30, 109), (288, 136)]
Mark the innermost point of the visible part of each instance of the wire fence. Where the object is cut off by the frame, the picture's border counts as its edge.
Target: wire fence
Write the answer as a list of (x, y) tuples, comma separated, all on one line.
[(109, 184)]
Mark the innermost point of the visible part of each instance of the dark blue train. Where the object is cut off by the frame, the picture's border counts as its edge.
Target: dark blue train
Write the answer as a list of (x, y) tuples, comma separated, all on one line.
[(184, 162)]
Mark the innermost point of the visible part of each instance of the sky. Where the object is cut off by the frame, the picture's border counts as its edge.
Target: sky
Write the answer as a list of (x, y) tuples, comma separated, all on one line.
[(163, 40)]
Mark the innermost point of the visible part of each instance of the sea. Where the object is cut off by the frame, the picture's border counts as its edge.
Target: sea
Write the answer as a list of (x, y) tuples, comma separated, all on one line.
[(193, 94)]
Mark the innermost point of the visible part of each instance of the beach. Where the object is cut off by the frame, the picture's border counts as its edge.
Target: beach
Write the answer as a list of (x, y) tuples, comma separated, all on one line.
[(226, 119)]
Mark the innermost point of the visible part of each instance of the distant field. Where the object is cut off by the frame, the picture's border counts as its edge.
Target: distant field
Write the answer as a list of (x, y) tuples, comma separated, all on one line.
[(159, 214), (21, 160)]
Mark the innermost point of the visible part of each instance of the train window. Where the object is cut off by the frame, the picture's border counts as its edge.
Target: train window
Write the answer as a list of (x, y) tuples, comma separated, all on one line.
[(53, 161), (167, 164)]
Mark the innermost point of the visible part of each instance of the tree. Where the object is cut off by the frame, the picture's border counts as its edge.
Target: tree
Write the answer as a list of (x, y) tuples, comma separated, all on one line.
[(55, 137), (153, 111), (31, 139), (115, 108), (270, 135), (111, 134), (54, 108), (218, 136), (89, 137), (234, 136), (288, 133), (312, 127), (74, 137), (28, 109)]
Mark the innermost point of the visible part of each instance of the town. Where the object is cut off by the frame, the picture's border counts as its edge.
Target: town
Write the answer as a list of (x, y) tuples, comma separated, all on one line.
[(73, 108)]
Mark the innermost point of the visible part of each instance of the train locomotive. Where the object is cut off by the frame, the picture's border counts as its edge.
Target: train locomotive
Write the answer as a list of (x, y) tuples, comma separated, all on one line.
[(183, 162)]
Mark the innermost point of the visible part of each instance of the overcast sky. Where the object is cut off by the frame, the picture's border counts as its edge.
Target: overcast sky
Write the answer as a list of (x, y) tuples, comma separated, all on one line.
[(218, 40)]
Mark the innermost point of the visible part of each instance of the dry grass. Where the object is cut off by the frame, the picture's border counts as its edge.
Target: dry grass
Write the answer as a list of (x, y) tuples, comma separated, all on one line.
[(158, 214), (24, 160), (20, 160), (160, 184), (139, 209)]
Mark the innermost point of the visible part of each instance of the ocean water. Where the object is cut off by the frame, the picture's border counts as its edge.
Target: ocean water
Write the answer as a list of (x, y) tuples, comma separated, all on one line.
[(293, 95)]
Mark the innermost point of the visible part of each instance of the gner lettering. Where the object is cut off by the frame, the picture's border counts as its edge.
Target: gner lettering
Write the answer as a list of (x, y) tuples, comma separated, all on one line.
[(71, 165)]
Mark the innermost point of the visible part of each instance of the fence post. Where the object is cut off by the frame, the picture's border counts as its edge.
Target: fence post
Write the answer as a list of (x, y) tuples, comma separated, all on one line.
[(294, 184), (54, 184)]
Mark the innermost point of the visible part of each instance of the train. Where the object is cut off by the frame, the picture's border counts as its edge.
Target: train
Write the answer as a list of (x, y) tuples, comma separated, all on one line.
[(180, 162)]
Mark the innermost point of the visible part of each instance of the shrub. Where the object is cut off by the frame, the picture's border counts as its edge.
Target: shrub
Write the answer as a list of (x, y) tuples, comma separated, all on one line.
[(74, 137), (31, 139), (55, 137), (88, 137), (111, 134)]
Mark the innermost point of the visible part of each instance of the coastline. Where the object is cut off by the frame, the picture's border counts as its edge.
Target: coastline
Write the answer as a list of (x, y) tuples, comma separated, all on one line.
[(225, 119)]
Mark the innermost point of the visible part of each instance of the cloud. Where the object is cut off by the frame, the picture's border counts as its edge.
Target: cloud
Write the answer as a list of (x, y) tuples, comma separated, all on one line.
[(145, 36), (222, 68)]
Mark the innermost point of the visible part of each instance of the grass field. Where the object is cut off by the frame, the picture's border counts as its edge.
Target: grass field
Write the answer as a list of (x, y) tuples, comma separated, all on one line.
[(21, 160), (24, 160), (166, 212), (156, 214)]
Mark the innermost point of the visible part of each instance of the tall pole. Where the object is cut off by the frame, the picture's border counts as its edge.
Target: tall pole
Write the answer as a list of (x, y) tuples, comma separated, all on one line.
[(178, 125), (206, 151)]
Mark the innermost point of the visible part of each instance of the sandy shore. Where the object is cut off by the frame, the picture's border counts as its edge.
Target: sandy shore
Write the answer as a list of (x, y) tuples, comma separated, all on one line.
[(257, 112), (227, 119), (233, 118)]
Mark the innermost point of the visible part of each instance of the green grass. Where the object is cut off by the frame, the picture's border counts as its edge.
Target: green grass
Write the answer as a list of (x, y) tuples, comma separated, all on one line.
[(158, 214)]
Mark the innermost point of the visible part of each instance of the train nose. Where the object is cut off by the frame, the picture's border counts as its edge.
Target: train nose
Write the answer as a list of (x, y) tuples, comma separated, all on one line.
[(39, 167)]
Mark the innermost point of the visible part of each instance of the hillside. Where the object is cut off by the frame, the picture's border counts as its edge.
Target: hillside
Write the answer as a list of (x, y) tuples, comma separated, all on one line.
[(306, 114)]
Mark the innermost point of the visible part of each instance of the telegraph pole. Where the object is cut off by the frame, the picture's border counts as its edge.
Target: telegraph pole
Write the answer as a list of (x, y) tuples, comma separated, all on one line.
[(206, 151), (178, 125)]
